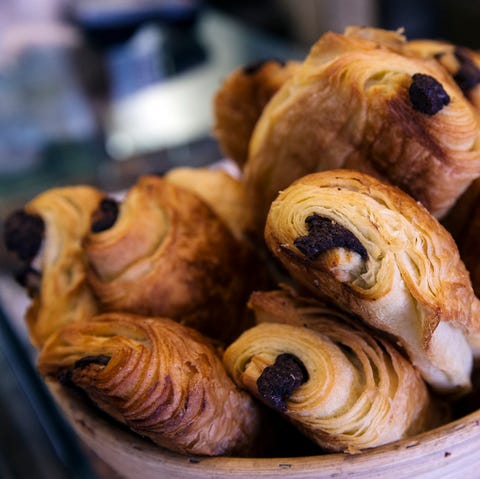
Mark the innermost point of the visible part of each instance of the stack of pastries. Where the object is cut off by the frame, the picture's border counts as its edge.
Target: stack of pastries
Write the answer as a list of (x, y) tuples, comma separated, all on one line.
[(331, 288)]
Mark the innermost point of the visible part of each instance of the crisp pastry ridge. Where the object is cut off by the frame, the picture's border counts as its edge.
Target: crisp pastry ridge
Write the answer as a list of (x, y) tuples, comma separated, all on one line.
[(167, 254), (359, 391), (371, 249), (239, 102), (55, 273), (162, 379), (363, 103)]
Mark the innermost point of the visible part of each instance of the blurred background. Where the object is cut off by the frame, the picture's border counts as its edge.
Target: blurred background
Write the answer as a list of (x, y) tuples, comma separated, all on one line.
[(99, 90), (102, 91)]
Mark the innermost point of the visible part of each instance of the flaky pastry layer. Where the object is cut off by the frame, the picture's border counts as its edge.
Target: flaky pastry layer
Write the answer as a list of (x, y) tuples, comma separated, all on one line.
[(362, 103), (370, 248), (163, 380), (360, 391)]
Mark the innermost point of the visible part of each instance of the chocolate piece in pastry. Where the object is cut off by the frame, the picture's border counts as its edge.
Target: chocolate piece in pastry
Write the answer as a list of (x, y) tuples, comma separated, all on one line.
[(163, 380), (240, 100), (462, 63), (344, 387), (370, 248), (225, 194), (47, 237), (361, 104), (168, 254)]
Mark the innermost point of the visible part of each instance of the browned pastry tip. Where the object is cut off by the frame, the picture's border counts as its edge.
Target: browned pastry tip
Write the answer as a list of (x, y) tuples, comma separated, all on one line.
[(240, 100), (164, 252), (163, 380)]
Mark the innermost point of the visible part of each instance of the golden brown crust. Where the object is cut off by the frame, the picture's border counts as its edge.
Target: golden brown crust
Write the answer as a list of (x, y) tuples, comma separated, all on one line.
[(360, 393), (239, 103), (371, 249), (168, 254), (349, 106), (64, 295), (163, 380), (225, 194)]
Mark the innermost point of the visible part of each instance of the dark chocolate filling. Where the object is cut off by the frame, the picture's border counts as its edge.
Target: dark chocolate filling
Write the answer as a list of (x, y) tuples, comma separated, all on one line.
[(325, 234), (101, 360), (279, 381), (427, 94), (64, 377), (105, 216), (23, 234), (254, 67), (30, 279), (467, 76)]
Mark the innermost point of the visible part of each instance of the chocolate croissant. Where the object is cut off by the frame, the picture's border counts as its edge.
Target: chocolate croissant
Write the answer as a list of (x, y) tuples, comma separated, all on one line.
[(240, 101), (363, 104), (163, 380), (46, 235), (166, 253), (345, 388), (370, 248)]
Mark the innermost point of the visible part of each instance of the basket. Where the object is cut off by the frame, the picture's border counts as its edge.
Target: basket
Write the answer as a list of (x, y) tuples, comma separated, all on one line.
[(449, 451)]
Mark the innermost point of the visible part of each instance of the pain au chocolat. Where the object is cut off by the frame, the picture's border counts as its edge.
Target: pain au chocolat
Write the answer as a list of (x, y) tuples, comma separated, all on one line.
[(163, 380), (343, 386), (47, 237), (359, 102), (164, 252), (370, 248)]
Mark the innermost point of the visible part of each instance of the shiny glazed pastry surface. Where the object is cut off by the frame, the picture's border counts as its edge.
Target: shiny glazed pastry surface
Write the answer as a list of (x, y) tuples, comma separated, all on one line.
[(163, 380), (356, 391), (168, 254), (361, 103), (371, 249), (55, 272)]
